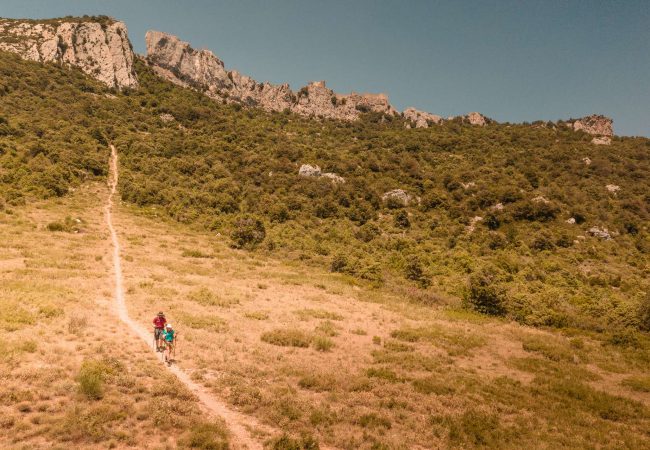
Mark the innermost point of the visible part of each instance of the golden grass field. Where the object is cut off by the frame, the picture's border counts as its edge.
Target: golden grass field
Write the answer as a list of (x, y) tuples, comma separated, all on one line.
[(313, 357)]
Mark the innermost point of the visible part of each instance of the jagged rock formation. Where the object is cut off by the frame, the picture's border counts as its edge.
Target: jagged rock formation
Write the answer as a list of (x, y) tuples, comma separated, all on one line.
[(201, 69), (595, 124), (99, 46), (420, 119)]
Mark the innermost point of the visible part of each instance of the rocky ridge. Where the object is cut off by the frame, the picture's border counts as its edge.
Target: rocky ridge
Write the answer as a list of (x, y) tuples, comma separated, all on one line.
[(177, 61), (100, 46)]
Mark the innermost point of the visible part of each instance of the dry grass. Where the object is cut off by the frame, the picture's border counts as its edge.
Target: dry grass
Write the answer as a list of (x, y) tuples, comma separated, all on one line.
[(72, 377), (310, 353)]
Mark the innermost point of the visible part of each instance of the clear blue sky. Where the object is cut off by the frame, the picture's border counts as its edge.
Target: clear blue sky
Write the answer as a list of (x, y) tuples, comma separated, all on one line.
[(513, 60)]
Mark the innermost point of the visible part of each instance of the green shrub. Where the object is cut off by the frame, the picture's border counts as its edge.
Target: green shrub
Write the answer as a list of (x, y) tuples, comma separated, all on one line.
[(286, 442), (401, 219), (414, 271), (322, 343), (206, 436), (485, 295), (248, 232), (92, 376)]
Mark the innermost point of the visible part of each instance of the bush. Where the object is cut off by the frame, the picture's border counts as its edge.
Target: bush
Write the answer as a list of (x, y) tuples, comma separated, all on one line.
[(248, 232), (286, 442), (402, 219), (287, 338), (543, 241), (485, 295), (206, 436), (91, 377), (414, 272), (644, 313), (339, 264), (323, 344)]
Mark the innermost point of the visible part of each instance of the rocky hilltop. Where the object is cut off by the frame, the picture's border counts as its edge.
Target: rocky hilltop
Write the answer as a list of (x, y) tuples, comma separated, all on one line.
[(177, 61), (99, 46)]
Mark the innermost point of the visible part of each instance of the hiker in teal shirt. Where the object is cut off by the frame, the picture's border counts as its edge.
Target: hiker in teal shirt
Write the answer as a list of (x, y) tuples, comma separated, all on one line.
[(169, 335)]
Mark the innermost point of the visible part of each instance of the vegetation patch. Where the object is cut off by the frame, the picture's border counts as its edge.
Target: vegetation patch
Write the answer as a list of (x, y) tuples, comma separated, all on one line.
[(204, 321), (287, 337), (639, 384), (206, 436)]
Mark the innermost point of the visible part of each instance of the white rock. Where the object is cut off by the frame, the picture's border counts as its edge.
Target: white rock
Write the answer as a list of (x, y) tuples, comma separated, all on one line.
[(540, 199), (421, 119), (603, 140), (586, 160), (571, 220), (602, 233), (398, 195), (307, 170), (613, 188)]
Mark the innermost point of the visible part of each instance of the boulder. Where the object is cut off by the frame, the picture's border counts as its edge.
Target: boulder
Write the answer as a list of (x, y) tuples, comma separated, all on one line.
[(599, 232), (307, 170)]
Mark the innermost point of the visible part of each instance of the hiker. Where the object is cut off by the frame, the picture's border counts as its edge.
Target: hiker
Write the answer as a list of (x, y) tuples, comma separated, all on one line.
[(170, 340), (158, 329)]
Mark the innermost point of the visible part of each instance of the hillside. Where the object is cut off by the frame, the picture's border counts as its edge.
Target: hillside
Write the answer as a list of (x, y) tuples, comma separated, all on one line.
[(556, 224), (337, 284)]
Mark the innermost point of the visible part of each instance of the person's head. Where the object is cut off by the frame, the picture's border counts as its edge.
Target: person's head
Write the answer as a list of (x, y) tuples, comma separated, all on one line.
[(168, 326), (161, 314)]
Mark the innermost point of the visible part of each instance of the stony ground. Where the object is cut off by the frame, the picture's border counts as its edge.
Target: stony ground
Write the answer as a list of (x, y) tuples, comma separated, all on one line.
[(303, 351)]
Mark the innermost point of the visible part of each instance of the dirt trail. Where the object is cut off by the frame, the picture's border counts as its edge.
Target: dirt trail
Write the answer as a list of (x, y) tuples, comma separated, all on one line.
[(237, 423)]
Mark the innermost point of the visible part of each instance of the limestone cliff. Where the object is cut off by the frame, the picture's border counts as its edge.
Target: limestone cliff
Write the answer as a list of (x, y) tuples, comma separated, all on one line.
[(99, 46), (177, 61)]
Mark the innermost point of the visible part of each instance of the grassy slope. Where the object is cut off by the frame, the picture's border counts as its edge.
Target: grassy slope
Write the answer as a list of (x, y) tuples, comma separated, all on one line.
[(309, 352)]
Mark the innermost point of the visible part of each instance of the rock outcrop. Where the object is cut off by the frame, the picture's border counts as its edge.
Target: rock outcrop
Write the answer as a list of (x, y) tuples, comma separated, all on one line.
[(397, 196), (177, 61), (99, 46), (602, 140), (475, 118), (421, 119), (307, 170), (594, 124)]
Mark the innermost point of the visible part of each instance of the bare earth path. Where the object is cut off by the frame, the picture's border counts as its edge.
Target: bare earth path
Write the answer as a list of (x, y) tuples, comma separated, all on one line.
[(237, 423)]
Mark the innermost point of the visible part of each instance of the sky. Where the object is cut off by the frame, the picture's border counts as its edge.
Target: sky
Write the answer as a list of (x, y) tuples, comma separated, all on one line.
[(512, 60)]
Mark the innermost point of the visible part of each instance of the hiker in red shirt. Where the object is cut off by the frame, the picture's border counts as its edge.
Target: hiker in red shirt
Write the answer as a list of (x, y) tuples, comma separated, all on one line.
[(158, 327)]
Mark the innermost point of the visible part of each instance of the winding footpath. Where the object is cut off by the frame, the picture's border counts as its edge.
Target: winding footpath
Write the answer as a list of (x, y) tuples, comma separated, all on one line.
[(237, 423)]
